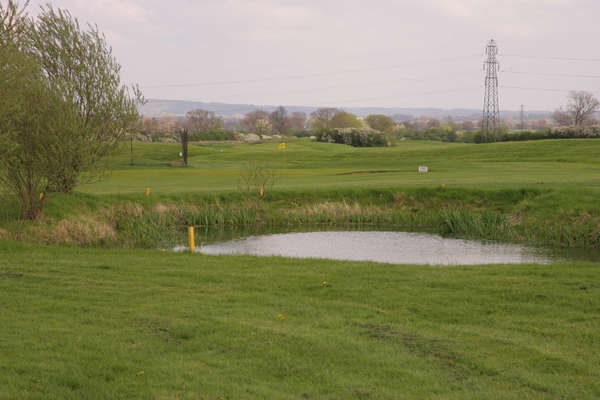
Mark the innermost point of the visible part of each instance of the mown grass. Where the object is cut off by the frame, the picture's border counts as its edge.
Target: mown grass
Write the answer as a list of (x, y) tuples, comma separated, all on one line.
[(310, 165), (141, 324)]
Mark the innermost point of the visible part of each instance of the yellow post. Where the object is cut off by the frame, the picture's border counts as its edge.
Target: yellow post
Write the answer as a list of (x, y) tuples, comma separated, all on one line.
[(147, 191), (261, 191), (191, 238)]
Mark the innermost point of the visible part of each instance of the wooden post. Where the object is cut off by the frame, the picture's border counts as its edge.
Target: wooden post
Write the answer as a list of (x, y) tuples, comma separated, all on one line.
[(184, 145), (191, 239)]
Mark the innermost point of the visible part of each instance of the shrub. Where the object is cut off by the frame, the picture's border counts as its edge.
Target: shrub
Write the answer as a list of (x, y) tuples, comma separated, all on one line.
[(354, 137)]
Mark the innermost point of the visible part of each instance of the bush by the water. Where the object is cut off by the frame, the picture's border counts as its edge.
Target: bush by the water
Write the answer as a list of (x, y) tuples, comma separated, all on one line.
[(354, 137)]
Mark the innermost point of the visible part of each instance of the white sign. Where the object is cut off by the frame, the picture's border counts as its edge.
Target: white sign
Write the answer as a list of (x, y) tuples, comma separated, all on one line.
[(423, 169)]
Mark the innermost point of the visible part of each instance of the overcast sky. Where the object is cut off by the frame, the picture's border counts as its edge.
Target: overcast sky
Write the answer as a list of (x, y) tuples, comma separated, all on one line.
[(419, 53)]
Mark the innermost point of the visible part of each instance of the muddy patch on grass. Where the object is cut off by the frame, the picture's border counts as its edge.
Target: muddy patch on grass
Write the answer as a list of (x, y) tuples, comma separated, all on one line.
[(438, 350)]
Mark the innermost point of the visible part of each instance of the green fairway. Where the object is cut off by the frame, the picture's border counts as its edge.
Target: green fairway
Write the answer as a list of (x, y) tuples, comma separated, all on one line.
[(311, 165), (141, 324)]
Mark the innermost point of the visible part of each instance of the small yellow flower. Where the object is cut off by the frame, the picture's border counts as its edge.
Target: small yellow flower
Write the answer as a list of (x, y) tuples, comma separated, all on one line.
[(280, 316), (140, 373)]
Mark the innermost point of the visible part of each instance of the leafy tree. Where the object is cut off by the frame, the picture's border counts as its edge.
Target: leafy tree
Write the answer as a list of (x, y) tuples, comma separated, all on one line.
[(279, 120), (34, 120), (321, 118), (81, 68), (62, 108), (199, 120), (468, 126), (381, 123), (263, 127), (251, 121), (432, 123), (343, 119), (297, 120), (13, 23)]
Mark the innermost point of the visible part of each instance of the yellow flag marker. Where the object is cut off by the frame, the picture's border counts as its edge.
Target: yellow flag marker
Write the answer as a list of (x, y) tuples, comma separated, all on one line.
[(147, 191), (281, 146)]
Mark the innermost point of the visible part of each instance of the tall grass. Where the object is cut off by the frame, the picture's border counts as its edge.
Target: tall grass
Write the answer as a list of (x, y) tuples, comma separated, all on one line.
[(476, 224), (520, 215)]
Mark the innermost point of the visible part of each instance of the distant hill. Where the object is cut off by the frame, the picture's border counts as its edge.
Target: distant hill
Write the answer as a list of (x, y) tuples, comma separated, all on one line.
[(156, 107)]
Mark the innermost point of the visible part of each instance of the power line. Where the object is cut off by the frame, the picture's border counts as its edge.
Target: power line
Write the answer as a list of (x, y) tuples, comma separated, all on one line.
[(552, 58), (306, 76), (405, 95), (545, 89), (366, 84), (552, 74), (336, 103)]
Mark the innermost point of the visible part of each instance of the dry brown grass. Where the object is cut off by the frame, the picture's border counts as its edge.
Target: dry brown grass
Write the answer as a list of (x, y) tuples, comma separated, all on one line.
[(84, 230), (338, 209)]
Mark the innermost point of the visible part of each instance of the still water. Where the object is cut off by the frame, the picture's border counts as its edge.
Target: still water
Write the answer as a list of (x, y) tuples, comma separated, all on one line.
[(378, 246)]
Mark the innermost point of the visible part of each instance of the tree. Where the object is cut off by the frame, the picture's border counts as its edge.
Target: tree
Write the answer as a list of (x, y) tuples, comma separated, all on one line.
[(297, 120), (468, 126), (562, 118), (321, 118), (343, 119), (432, 123), (167, 123), (381, 123), (13, 23), (251, 120), (82, 70), (184, 139), (34, 120), (62, 107), (279, 120), (263, 127), (199, 121), (581, 107)]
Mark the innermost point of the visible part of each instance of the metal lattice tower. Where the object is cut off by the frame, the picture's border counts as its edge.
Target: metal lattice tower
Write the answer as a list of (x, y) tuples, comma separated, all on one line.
[(522, 126), (491, 106)]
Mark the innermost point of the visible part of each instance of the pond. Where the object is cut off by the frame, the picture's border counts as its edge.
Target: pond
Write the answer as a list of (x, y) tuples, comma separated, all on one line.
[(380, 246)]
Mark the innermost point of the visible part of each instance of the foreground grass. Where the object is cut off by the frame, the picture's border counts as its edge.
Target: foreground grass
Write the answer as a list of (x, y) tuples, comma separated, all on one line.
[(126, 324)]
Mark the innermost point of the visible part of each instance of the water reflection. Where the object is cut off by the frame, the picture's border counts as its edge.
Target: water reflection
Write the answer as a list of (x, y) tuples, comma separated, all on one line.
[(386, 247)]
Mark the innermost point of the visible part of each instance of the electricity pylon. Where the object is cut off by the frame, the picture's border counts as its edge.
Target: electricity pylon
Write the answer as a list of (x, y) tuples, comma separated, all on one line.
[(491, 106)]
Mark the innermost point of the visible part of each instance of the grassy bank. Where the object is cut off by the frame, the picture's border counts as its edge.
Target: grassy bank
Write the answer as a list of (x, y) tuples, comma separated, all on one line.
[(126, 324), (543, 192), (559, 218)]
